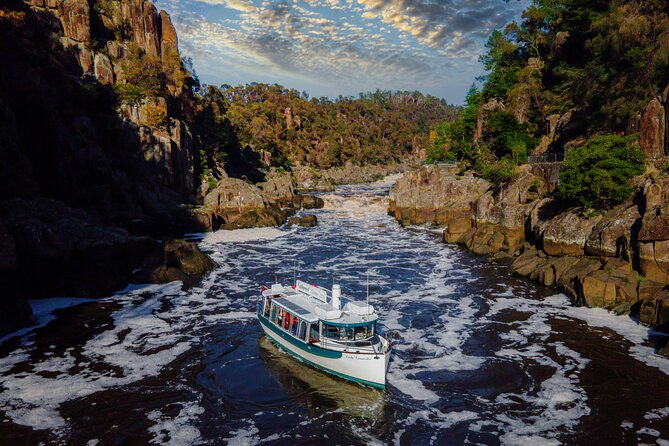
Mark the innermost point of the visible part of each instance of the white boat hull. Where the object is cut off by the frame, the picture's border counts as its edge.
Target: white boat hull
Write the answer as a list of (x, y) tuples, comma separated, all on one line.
[(368, 369)]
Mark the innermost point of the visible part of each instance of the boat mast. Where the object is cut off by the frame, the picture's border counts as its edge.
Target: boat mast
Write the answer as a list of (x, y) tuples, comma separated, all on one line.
[(367, 290)]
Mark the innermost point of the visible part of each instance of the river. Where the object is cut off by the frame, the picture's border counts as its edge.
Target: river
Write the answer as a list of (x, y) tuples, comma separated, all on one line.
[(480, 356)]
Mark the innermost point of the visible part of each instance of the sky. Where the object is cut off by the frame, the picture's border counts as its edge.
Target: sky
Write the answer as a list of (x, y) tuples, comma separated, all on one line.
[(340, 47)]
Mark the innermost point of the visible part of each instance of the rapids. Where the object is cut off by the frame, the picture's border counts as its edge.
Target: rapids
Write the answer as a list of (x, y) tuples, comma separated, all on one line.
[(480, 356)]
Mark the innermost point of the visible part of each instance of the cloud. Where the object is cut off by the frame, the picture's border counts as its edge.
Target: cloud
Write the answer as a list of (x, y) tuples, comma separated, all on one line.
[(448, 24), (239, 5), (340, 46)]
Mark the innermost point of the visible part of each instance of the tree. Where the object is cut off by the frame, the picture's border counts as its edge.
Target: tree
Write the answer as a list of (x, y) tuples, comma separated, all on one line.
[(597, 174)]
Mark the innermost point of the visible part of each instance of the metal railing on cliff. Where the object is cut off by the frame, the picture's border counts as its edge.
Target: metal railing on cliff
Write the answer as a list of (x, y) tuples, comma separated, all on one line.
[(546, 158)]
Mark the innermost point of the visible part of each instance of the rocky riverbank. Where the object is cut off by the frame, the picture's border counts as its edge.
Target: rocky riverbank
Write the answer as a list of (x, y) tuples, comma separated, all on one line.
[(618, 260), (310, 179)]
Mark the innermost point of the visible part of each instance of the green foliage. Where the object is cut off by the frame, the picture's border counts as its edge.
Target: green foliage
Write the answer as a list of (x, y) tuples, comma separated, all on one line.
[(129, 93), (453, 140), (151, 76), (506, 137), (376, 128), (598, 173), (502, 62), (499, 172), (155, 116)]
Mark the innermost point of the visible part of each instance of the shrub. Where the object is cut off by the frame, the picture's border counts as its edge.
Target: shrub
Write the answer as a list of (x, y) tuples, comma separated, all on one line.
[(155, 116), (499, 172), (598, 173), (129, 93)]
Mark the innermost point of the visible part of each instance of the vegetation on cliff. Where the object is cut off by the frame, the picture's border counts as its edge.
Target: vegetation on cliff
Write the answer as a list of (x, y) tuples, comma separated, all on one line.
[(568, 71), (598, 173), (286, 127)]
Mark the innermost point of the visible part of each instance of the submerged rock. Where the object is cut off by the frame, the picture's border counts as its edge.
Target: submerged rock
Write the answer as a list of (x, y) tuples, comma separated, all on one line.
[(307, 221)]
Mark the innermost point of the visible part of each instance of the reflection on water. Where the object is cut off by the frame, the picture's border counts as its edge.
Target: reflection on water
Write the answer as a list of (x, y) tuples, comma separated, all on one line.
[(318, 390)]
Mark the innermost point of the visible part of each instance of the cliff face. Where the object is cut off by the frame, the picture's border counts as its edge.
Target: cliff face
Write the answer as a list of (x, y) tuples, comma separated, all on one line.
[(83, 167), (617, 260), (70, 136)]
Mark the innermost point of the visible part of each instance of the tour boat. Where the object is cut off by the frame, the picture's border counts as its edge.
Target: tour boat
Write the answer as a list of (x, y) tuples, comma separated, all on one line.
[(327, 331)]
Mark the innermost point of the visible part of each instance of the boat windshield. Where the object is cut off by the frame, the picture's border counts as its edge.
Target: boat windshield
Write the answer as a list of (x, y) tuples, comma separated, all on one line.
[(342, 333)]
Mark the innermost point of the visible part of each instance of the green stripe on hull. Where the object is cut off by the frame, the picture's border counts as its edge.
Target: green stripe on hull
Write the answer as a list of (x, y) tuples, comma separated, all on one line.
[(266, 323)]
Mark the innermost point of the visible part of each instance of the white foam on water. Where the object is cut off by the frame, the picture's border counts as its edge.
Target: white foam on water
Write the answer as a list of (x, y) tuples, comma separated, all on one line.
[(140, 343), (241, 235), (178, 430), (657, 414), (436, 419), (648, 431), (43, 311), (244, 436), (626, 327)]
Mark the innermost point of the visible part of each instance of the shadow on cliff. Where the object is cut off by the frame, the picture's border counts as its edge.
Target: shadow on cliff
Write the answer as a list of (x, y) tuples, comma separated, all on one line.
[(73, 176)]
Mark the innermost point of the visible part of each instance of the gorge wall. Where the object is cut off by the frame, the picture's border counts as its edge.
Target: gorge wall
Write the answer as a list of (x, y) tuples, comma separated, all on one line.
[(96, 170), (618, 260)]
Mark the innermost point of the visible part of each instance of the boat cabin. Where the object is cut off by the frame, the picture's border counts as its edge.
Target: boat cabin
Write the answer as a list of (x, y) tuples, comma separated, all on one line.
[(319, 316)]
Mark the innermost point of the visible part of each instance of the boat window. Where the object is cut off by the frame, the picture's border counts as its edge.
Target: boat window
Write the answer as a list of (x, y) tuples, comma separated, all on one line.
[(348, 333), (279, 316), (364, 332), (286, 321), (268, 304), (293, 328), (272, 316), (314, 335), (303, 330), (330, 331)]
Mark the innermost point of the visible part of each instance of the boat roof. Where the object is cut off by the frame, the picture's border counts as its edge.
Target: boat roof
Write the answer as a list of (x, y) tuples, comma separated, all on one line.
[(312, 303)]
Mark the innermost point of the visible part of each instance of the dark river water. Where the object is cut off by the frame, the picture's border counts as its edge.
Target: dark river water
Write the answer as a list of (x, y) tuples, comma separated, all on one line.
[(480, 356)]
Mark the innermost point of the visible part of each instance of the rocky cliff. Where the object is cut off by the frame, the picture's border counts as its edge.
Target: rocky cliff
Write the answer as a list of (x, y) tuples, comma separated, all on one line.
[(87, 171), (618, 260)]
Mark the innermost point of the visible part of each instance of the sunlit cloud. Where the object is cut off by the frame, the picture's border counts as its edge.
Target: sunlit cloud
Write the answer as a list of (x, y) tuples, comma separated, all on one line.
[(332, 47)]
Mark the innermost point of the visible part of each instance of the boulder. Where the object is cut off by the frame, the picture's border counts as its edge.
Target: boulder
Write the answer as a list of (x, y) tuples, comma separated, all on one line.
[(281, 189), (434, 195), (187, 258), (306, 221), (165, 274), (576, 271), (654, 228), (653, 260), (654, 312), (252, 218), (652, 129), (528, 262), (233, 193), (456, 228), (612, 236), (76, 18), (487, 240), (609, 288), (312, 202), (566, 234)]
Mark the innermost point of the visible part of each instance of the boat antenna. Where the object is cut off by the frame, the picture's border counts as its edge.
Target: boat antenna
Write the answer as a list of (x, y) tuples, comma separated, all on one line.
[(294, 272), (367, 290), (276, 278)]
